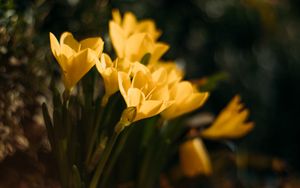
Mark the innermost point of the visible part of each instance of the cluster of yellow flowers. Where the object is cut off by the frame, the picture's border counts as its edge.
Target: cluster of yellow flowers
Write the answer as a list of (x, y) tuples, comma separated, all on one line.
[(154, 87), (147, 83)]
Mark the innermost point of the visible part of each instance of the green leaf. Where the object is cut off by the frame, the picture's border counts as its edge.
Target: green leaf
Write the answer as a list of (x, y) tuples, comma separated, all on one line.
[(76, 180), (213, 81), (48, 124)]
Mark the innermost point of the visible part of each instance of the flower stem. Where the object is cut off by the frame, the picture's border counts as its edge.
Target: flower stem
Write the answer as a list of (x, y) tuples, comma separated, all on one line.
[(106, 154), (93, 136), (114, 157)]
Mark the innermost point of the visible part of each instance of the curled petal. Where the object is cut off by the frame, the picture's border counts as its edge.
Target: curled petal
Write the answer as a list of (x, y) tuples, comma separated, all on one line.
[(67, 39)]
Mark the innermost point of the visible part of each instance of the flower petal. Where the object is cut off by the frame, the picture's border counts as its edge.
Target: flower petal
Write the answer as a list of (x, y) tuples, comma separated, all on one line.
[(194, 159), (54, 45), (116, 16), (148, 109), (230, 123), (117, 38), (96, 44), (159, 50), (81, 63), (68, 39), (129, 23), (148, 26), (135, 97), (134, 45), (124, 83)]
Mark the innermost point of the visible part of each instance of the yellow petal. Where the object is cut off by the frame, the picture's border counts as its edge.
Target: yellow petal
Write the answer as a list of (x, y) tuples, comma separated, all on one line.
[(178, 94), (135, 97), (129, 23), (68, 39), (231, 132), (116, 16), (67, 51), (137, 66), (124, 83), (186, 100), (234, 103), (55, 47), (230, 123), (110, 77), (195, 101), (242, 130), (81, 63), (104, 63), (194, 159), (118, 38), (58, 53), (159, 50), (174, 74), (96, 44), (148, 26), (160, 76), (140, 80), (148, 109), (134, 46), (191, 103), (233, 126), (160, 93)]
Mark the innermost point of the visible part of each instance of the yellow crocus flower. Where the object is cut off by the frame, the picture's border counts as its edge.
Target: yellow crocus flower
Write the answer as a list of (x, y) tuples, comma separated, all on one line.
[(109, 74), (109, 71), (230, 123), (142, 93), (135, 46), (186, 99), (194, 159), (133, 39), (130, 24), (75, 58)]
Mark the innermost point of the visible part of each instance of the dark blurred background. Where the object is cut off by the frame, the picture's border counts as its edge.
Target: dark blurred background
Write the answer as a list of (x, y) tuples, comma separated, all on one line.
[(255, 42)]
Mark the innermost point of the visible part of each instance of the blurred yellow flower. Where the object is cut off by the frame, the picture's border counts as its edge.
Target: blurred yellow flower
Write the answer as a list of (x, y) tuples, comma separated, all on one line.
[(194, 159), (130, 25), (230, 123), (132, 39), (136, 45), (186, 99), (142, 93), (75, 58)]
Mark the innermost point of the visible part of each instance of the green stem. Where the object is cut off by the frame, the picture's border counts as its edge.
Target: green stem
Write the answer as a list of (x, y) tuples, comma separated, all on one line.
[(63, 161), (97, 154), (106, 154), (144, 172), (114, 157), (94, 136), (157, 154)]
